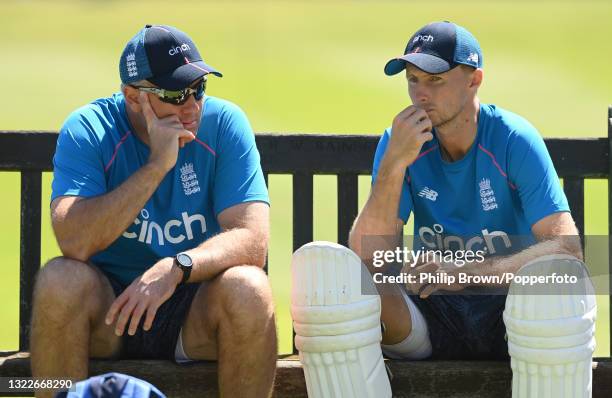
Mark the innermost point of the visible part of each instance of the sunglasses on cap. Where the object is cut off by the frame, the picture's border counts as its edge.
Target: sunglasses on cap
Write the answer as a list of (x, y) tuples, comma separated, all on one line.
[(177, 97)]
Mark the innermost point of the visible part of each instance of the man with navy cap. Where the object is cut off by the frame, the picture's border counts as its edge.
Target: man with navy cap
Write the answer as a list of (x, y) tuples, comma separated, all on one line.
[(477, 178), (160, 208)]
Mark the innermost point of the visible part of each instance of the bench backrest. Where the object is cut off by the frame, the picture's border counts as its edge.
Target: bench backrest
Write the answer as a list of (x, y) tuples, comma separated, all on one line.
[(300, 155)]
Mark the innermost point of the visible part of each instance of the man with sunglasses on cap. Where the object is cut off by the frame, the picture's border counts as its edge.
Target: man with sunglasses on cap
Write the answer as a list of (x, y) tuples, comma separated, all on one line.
[(477, 177), (160, 208)]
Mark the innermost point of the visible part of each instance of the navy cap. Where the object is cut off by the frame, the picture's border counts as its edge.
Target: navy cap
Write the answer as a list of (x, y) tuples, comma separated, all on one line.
[(163, 55), (437, 48)]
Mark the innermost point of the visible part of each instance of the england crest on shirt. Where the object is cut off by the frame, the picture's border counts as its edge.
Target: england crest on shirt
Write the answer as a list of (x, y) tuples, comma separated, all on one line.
[(189, 179), (487, 196)]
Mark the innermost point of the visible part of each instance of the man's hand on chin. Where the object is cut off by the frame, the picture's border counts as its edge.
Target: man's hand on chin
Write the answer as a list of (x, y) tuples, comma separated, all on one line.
[(144, 295)]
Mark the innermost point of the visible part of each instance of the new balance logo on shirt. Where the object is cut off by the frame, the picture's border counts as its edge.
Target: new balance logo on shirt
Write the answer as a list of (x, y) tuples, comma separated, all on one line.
[(428, 193)]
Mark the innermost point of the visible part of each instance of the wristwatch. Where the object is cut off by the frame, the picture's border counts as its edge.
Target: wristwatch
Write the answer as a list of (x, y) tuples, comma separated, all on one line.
[(184, 262)]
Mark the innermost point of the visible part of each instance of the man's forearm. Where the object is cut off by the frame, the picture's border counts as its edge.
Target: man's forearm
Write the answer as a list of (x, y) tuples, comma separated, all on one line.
[(239, 246), (379, 217), (498, 266), (92, 224)]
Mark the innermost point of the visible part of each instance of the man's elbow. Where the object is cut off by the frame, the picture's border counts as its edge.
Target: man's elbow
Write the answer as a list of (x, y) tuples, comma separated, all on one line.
[(69, 238), (74, 251), (354, 236), (353, 240), (73, 247), (258, 257), (259, 263), (571, 245), (259, 251)]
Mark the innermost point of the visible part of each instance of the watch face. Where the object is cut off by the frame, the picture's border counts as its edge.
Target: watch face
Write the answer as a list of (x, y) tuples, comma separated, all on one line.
[(184, 259)]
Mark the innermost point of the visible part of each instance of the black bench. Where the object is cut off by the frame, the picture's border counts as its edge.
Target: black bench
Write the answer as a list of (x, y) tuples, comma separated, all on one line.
[(302, 156)]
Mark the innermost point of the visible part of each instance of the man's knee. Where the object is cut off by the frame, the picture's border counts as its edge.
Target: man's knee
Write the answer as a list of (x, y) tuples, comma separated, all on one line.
[(246, 296), (64, 284)]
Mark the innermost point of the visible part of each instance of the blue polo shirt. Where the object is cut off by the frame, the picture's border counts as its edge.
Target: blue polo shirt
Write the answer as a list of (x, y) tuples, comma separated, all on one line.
[(487, 200), (97, 151)]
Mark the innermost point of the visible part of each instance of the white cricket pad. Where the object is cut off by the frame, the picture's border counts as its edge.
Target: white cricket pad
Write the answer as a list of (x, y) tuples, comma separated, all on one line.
[(337, 327), (551, 331)]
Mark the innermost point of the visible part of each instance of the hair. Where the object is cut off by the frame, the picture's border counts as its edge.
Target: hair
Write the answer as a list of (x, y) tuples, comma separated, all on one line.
[(143, 83), (467, 68)]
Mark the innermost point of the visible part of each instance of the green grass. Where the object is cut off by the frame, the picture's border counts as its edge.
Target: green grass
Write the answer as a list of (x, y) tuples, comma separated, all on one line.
[(302, 66)]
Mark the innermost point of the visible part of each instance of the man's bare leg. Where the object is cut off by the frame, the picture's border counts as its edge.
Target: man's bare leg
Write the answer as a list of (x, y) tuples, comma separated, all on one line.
[(231, 319), (70, 301), (395, 315)]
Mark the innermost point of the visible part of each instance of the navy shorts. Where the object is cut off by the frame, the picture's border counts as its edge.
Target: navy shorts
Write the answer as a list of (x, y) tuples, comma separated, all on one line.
[(159, 342), (465, 326)]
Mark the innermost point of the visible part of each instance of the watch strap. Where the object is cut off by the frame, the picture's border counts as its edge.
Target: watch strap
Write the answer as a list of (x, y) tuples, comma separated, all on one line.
[(186, 270)]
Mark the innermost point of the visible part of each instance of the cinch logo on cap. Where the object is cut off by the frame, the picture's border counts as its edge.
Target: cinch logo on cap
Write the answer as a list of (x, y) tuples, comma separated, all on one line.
[(179, 49), (428, 38)]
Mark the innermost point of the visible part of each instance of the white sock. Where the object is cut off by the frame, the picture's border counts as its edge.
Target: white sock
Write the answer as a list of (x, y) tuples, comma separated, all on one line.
[(179, 352), (417, 345)]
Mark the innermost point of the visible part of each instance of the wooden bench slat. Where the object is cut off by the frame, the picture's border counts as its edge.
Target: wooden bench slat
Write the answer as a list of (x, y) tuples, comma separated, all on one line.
[(302, 216), (347, 205), (426, 379), (302, 209), (266, 176), (31, 191), (609, 159), (315, 153), (574, 191), (27, 150)]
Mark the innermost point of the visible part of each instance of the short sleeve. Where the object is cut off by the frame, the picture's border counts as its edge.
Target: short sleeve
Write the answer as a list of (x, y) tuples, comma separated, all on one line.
[(531, 170), (78, 168), (238, 175), (405, 205)]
